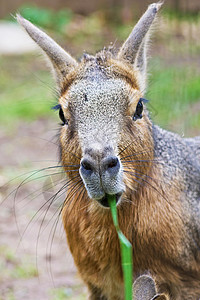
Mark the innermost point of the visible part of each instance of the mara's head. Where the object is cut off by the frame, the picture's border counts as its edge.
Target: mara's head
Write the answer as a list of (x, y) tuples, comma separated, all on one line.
[(105, 130)]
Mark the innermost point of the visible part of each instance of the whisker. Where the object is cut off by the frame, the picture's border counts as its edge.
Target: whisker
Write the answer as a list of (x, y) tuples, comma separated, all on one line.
[(159, 193), (46, 202), (77, 186), (126, 147), (51, 200), (50, 184), (48, 141), (140, 173), (34, 172), (84, 192), (47, 210), (54, 227), (71, 195), (59, 181), (26, 181), (73, 184), (142, 160), (137, 153), (76, 198)]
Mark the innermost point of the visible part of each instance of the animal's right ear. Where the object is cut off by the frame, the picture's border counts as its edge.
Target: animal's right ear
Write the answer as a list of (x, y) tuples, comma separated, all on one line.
[(62, 62)]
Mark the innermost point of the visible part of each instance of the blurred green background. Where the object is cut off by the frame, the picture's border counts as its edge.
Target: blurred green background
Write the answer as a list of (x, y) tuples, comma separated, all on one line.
[(27, 93)]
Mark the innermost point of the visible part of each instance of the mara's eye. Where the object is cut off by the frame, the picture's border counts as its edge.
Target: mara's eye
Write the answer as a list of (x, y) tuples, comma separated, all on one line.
[(62, 117), (61, 114), (138, 112)]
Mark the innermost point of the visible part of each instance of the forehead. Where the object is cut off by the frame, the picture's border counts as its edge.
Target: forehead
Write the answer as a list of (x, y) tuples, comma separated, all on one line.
[(99, 96), (98, 107)]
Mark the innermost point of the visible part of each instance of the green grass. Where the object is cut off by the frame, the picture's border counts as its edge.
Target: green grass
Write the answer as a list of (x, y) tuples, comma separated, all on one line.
[(12, 267), (173, 91), (25, 270), (61, 293), (179, 15), (64, 293), (9, 295), (46, 18), (26, 90)]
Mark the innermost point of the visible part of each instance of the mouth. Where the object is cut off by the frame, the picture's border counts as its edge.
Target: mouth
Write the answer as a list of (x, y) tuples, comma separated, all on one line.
[(104, 201)]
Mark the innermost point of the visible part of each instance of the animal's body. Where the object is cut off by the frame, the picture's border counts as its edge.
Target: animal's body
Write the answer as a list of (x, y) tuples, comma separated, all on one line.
[(161, 220), (110, 146)]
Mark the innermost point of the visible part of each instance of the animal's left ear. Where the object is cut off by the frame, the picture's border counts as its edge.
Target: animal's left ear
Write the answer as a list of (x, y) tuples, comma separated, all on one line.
[(133, 51)]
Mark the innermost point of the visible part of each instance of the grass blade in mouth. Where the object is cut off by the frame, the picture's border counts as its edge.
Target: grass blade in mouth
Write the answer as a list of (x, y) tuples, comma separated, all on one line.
[(126, 251)]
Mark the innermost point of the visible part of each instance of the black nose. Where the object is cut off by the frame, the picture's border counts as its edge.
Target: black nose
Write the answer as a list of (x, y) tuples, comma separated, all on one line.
[(110, 164)]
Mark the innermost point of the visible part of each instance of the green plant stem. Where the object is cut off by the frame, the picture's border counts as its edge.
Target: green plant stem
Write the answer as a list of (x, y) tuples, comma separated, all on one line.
[(126, 251)]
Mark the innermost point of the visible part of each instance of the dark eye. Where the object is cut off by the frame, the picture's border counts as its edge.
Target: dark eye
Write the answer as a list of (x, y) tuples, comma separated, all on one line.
[(62, 117), (61, 114), (138, 112)]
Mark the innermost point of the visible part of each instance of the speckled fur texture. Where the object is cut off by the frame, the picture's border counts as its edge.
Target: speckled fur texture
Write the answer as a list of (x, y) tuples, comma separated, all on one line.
[(159, 174)]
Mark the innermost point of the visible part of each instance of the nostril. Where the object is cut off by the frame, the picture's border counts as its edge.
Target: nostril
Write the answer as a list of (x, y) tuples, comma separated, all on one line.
[(111, 163), (86, 165)]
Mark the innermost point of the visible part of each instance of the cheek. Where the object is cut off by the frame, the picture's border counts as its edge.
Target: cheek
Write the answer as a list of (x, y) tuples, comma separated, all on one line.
[(136, 148), (70, 149)]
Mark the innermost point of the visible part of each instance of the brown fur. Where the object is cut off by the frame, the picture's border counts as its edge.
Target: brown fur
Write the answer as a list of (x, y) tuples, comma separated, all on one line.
[(95, 247), (151, 218)]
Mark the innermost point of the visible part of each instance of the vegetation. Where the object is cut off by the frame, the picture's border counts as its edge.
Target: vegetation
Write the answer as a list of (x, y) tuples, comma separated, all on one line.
[(25, 94), (11, 267), (46, 18), (64, 293), (173, 92), (182, 15)]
